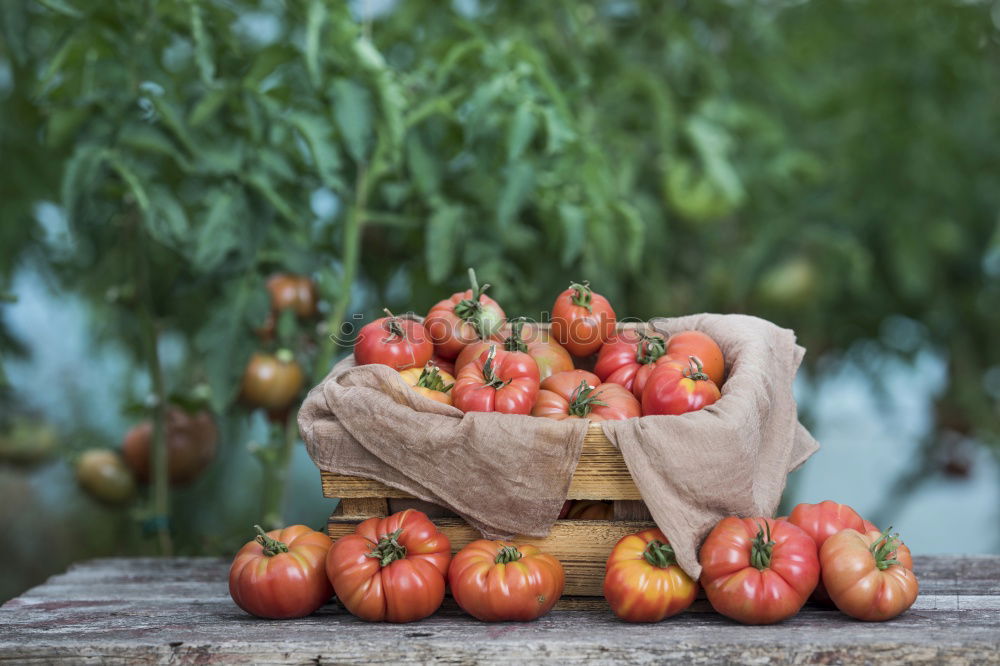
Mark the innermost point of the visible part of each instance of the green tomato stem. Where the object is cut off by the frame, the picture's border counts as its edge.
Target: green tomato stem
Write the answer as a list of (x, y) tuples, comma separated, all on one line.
[(388, 549), (582, 295), (508, 554), (761, 548), (271, 546), (660, 554)]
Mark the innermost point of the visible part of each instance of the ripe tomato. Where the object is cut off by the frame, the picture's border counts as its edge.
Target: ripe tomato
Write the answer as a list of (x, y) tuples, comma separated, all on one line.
[(280, 573), (496, 581), (535, 341), (869, 576), (582, 320), (682, 346), (578, 394), (191, 440), (821, 521), (292, 292), (499, 381), (462, 319), (591, 510), (629, 358), (677, 388), (642, 581), (430, 382), (391, 569), (758, 579), (394, 341), (103, 474), (272, 382)]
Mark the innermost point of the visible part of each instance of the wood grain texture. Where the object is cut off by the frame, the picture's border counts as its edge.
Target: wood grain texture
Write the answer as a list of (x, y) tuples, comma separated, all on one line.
[(178, 610)]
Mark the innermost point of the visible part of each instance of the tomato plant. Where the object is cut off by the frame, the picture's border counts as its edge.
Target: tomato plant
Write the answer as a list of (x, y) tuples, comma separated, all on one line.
[(590, 510), (499, 381), (103, 474), (821, 521), (869, 576), (463, 318), (535, 341), (496, 581), (280, 574), (578, 394), (430, 382), (758, 570), (272, 381), (582, 320), (398, 342), (629, 358), (191, 441), (391, 569), (677, 388), (682, 346), (642, 581)]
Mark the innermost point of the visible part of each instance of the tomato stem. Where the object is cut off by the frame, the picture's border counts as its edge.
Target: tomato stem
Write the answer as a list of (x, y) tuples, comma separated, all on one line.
[(392, 325), (489, 372), (695, 370), (508, 554), (271, 545), (884, 550), (660, 554), (514, 342), (388, 549), (583, 400), (471, 310), (650, 348), (430, 378), (761, 549), (582, 295)]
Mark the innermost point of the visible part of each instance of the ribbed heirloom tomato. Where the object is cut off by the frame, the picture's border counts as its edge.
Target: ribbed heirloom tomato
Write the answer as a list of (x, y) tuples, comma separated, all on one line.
[(578, 394), (394, 341), (642, 581), (462, 319), (430, 382), (391, 569), (677, 388), (533, 340), (582, 320), (629, 358), (496, 581), (682, 346), (821, 521), (499, 381), (869, 576), (280, 573), (758, 570)]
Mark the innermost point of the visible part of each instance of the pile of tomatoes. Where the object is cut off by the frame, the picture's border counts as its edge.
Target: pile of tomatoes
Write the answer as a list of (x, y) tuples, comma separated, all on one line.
[(466, 353), (754, 571)]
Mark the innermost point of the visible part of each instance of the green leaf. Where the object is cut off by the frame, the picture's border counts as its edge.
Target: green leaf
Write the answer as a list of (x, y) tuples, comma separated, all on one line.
[(574, 232), (522, 130), (134, 183), (220, 232), (635, 233), (262, 184), (441, 240), (352, 111), (62, 7), (519, 180), (78, 177), (202, 45), (423, 168), (316, 133), (315, 17), (558, 132), (168, 223), (151, 140), (207, 106)]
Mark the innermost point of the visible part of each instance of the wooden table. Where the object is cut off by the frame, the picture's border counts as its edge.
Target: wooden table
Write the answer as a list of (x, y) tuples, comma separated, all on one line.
[(179, 610)]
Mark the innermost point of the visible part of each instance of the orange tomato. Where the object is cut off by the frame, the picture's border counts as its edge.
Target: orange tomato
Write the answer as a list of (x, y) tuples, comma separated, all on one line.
[(430, 381), (868, 576), (643, 582), (681, 346)]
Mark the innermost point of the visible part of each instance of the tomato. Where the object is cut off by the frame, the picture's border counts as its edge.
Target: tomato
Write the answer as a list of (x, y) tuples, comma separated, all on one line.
[(430, 382), (578, 394), (444, 364), (869, 576), (758, 579), (591, 510), (535, 341), (642, 581), (272, 382), (27, 441), (582, 320), (391, 569), (628, 359), (677, 388), (103, 474), (293, 292), (496, 581), (821, 521), (499, 381), (280, 573), (395, 341), (191, 440), (462, 319), (682, 346)]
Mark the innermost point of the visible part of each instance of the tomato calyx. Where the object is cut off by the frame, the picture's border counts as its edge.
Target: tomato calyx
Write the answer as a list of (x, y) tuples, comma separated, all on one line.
[(392, 325), (695, 370), (471, 309), (271, 546), (660, 554), (884, 549), (761, 548), (489, 372), (430, 378), (583, 400), (507, 555), (284, 355), (388, 549), (650, 348), (582, 295), (514, 342)]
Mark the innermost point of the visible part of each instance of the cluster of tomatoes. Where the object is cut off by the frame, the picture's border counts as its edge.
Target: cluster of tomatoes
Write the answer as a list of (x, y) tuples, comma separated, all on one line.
[(754, 570), (467, 354)]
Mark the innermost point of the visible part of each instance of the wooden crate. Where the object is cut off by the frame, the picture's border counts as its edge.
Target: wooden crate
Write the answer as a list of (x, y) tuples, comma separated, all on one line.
[(581, 545)]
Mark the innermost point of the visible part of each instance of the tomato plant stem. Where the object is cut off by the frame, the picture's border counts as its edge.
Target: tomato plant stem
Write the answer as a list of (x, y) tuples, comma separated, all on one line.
[(276, 473)]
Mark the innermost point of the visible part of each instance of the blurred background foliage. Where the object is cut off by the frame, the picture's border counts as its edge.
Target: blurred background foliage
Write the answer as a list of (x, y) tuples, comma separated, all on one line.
[(831, 166)]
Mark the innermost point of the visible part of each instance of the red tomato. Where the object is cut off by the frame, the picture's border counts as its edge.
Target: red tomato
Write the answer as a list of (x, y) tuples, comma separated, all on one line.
[(393, 341), (582, 320), (292, 292), (430, 382), (643, 583), (591, 510), (191, 442), (531, 339), (462, 319), (758, 579), (280, 574), (677, 388), (869, 576), (499, 381), (391, 569), (446, 365), (578, 394), (629, 358), (496, 581), (821, 521), (682, 346)]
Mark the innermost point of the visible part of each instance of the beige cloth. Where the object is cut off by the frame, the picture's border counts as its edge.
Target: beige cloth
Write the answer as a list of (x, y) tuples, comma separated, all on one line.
[(508, 474)]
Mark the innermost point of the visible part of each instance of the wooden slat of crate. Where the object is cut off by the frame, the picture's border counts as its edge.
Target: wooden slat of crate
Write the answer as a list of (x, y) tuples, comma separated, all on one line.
[(582, 546), (601, 474)]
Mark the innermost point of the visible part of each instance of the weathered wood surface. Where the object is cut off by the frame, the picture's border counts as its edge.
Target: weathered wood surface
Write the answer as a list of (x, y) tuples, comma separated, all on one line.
[(178, 610)]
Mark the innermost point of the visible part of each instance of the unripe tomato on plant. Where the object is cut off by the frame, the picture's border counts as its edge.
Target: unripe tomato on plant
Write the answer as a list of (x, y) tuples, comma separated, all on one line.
[(430, 382), (293, 292), (190, 437), (642, 580), (869, 576), (582, 320), (629, 358), (821, 521), (398, 342), (678, 388), (463, 318), (391, 569), (535, 341), (578, 394), (499, 381), (272, 381), (103, 474), (591, 510), (280, 574), (497, 581)]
